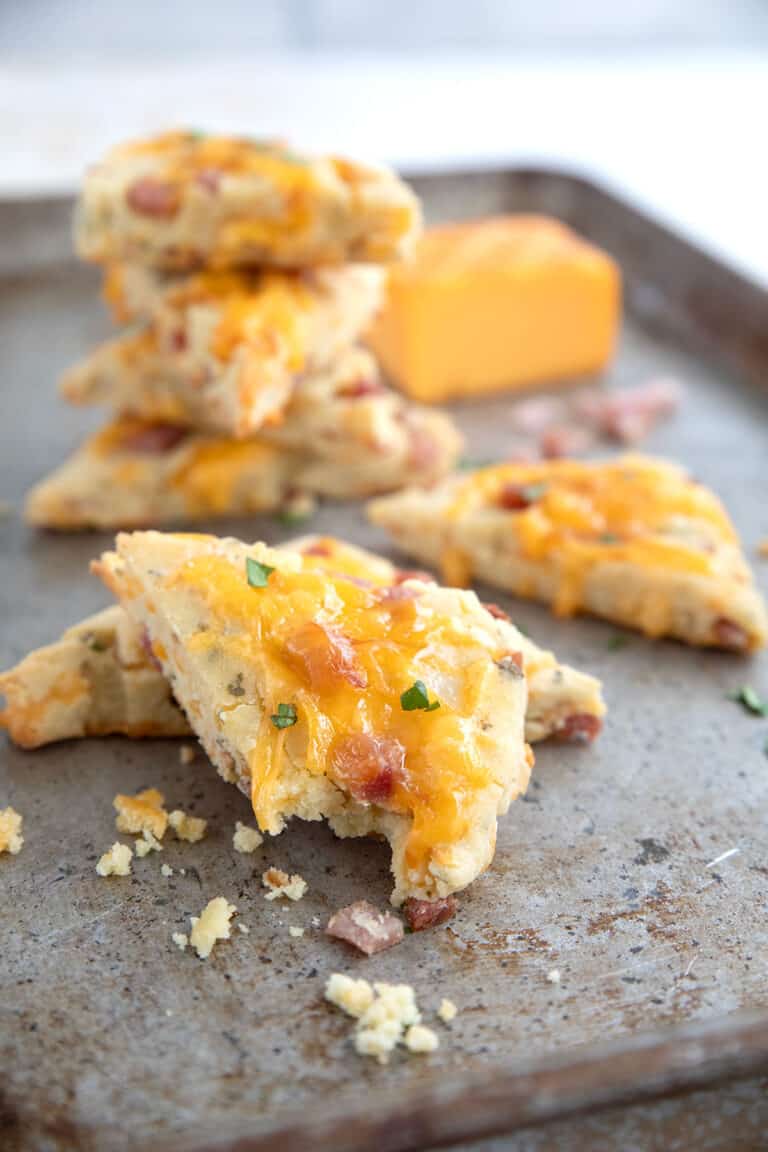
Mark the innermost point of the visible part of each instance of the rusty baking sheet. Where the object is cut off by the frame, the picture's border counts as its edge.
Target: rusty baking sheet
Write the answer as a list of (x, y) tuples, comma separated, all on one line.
[(111, 1038)]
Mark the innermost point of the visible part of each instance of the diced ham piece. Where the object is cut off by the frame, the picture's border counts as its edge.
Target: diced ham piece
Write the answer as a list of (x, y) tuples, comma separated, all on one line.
[(629, 416), (209, 179), (514, 497), (423, 448), (156, 198), (146, 644), (178, 340), (367, 929), (496, 612), (318, 548), (324, 656), (535, 415), (403, 574), (357, 389), (564, 440), (581, 728), (730, 635), (368, 767), (422, 914), (512, 662), (154, 439)]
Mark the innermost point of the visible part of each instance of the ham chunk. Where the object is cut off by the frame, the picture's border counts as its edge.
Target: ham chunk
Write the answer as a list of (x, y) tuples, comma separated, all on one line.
[(422, 914), (365, 928)]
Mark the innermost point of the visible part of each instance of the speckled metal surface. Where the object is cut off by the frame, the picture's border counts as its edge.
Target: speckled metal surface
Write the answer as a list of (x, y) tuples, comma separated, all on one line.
[(112, 1038)]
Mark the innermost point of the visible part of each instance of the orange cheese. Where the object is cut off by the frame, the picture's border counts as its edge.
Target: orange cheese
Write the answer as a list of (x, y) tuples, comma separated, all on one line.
[(499, 303), (344, 678)]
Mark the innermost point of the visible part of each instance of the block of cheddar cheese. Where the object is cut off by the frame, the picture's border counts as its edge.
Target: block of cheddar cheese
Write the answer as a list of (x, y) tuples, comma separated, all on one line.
[(500, 303)]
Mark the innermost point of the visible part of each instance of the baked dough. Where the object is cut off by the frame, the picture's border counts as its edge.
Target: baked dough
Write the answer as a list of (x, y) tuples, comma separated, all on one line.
[(123, 689), (183, 199), (91, 682), (632, 539), (344, 436), (382, 711), (222, 351)]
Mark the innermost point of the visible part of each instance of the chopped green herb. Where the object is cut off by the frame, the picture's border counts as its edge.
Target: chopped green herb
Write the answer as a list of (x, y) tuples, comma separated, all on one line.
[(95, 643), (258, 574), (750, 701), (417, 698), (467, 463), (533, 492), (285, 717), (608, 538), (617, 642), (293, 516)]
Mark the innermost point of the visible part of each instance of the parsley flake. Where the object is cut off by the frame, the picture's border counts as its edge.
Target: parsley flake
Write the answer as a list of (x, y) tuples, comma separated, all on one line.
[(750, 701), (617, 642), (258, 574), (417, 698), (285, 717), (533, 492), (609, 538)]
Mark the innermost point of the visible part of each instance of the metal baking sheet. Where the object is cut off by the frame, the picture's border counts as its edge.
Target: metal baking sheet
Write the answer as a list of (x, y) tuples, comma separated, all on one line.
[(111, 1038)]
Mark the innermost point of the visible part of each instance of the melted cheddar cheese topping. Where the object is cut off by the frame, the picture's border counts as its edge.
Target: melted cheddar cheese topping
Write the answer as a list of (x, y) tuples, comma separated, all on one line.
[(341, 654), (632, 510)]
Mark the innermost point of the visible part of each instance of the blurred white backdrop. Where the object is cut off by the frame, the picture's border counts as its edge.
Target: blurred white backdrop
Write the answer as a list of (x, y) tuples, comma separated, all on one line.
[(664, 101)]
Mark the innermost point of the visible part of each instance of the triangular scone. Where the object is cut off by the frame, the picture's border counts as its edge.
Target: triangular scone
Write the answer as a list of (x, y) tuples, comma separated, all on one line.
[(138, 473), (222, 351), (562, 702), (87, 684), (632, 539), (182, 199), (399, 711)]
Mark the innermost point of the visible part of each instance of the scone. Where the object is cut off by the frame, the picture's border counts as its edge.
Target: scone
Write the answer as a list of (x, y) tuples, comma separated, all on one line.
[(633, 540), (562, 702), (222, 351), (382, 711), (88, 683), (138, 473), (183, 199)]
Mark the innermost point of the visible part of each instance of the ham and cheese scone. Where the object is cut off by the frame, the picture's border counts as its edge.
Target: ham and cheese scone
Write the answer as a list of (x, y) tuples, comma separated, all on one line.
[(183, 199), (138, 473), (94, 681), (632, 539), (392, 711), (221, 351), (122, 689)]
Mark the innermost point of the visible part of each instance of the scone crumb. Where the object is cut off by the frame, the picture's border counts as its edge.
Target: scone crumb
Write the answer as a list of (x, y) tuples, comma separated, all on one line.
[(447, 1011), (11, 838), (181, 940), (419, 1038), (553, 976), (243, 928), (190, 828), (147, 844), (143, 811), (281, 884), (186, 754), (762, 548), (295, 932), (386, 1015), (245, 838), (115, 862), (211, 925), (166, 870), (352, 996)]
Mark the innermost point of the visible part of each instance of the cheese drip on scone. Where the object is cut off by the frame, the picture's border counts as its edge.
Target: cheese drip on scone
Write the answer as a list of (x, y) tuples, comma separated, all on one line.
[(631, 539), (183, 199), (397, 710), (119, 686)]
